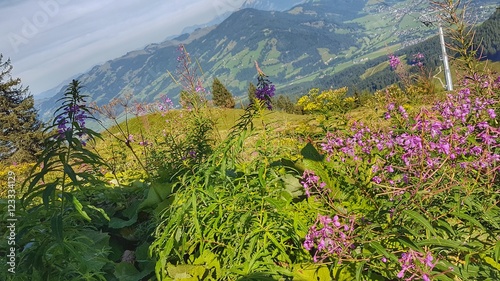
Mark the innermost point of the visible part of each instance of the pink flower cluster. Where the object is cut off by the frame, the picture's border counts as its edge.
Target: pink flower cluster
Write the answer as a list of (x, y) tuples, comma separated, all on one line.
[(330, 237), (394, 61), (310, 182), (416, 265), (164, 105), (456, 132)]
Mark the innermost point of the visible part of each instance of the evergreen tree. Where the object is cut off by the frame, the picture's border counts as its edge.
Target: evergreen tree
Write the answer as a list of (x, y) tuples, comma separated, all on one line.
[(221, 96), (251, 92), (21, 135), (284, 103)]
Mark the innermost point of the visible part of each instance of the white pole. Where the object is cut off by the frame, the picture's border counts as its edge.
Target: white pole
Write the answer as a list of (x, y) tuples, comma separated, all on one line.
[(447, 72)]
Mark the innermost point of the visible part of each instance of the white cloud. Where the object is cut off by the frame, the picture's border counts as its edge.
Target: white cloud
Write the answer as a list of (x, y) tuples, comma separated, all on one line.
[(50, 40)]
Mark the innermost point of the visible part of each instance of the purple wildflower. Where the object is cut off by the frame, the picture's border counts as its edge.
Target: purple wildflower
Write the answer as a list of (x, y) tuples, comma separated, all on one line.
[(310, 181), (394, 61), (265, 91)]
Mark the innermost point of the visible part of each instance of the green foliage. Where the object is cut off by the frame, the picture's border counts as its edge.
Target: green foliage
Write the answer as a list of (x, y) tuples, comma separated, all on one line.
[(67, 251), (230, 218), (221, 96), (181, 204), (21, 137), (488, 38)]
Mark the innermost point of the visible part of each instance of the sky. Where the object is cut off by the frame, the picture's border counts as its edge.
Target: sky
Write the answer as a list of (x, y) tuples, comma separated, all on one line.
[(49, 41)]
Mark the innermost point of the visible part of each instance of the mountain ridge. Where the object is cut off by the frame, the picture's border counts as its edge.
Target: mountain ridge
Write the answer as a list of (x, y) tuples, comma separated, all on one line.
[(228, 50)]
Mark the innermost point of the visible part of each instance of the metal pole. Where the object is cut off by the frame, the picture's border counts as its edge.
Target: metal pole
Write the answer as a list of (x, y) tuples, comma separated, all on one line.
[(447, 72)]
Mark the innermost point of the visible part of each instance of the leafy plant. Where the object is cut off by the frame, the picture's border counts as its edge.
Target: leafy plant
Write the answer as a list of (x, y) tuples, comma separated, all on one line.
[(67, 251)]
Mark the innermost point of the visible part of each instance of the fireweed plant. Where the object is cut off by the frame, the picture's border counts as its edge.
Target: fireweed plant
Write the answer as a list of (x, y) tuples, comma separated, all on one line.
[(419, 200), (231, 218), (265, 88), (183, 147), (49, 202), (140, 144), (193, 93)]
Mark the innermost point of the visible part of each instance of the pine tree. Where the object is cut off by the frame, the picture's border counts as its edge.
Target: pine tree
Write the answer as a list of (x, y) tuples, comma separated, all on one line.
[(221, 96), (21, 135), (251, 92)]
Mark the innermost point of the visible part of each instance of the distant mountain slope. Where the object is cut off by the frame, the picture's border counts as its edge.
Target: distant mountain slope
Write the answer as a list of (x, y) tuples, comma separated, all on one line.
[(271, 5), (310, 42)]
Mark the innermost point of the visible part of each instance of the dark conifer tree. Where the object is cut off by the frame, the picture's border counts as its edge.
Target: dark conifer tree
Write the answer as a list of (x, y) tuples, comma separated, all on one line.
[(251, 92), (221, 96), (21, 136)]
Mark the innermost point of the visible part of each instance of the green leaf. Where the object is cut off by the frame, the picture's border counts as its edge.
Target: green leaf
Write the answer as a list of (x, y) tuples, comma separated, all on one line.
[(311, 153), (446, 226), (157, 193), (79, 207), (469, 219), (443, 243), (56, 223), (381, 250), (421, 220), (48, 192), (127, 272), (497, 251), (491, 262), (71, 173), (359, 270), (118, 223), (100, 210)]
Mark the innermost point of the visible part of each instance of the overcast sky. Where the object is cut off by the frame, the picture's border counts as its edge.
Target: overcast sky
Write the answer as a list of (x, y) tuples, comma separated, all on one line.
[(51, 40)]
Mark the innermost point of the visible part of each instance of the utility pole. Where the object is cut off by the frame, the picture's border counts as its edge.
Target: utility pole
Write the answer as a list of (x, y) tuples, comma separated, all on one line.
[(428, 20)]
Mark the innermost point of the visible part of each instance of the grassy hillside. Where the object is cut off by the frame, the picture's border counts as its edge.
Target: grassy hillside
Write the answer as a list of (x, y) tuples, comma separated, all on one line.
[(398, 184)]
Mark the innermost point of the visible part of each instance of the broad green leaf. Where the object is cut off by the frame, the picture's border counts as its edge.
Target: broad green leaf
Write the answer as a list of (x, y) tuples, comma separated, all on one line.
[(118, 223), (311, 153), (127, 272), (491, 262), (79, 207), (381, 250), (421, 220)]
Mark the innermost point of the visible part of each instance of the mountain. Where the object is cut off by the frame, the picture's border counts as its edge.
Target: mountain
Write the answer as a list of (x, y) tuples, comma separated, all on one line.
[(310, 41), (271, 5)]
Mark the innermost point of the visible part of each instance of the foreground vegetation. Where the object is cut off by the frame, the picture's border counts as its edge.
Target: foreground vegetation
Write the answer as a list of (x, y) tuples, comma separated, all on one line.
[(399, 185)]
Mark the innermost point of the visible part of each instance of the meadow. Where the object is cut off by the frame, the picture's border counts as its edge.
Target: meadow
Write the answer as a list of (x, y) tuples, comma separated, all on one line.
[(401, 184)]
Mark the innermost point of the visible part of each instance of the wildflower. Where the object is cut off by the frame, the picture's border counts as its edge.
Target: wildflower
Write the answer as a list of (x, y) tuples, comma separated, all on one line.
[(387, 116), (130, 138), (491, 113), (311, 181), (265, 92), (377, 179), (416, 264), (73, 116), (332, 236), (265, 88), (403, 112), (394, 61), (417, 59)]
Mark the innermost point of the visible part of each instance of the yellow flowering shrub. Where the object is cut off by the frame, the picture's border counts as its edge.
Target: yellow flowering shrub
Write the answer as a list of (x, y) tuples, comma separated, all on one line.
[(331, 100), (21, 172)]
